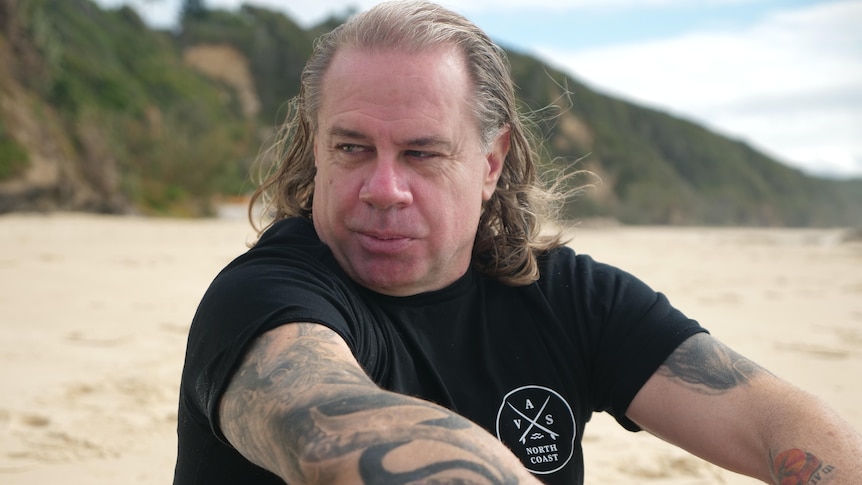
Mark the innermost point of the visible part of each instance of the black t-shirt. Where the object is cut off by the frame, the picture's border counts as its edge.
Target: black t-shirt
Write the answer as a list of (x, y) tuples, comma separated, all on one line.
[(530, 363)]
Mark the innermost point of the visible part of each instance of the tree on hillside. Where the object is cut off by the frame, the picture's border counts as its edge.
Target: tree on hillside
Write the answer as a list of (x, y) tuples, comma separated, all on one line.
[(193, 9)]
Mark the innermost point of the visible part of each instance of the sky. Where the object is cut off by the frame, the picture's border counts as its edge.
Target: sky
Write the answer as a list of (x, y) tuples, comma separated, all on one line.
[(784, 76)]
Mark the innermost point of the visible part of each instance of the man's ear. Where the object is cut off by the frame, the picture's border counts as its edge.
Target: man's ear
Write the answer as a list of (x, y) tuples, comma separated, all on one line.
[(496, 158)]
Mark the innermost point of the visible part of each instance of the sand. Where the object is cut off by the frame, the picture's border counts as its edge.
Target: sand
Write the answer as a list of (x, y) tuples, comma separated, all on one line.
[(94, 312)]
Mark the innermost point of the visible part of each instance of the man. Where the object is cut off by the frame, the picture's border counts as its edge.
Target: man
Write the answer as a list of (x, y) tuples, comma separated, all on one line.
[(403, 320)]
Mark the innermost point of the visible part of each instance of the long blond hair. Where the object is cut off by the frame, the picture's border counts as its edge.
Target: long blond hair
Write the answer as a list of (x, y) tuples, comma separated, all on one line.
[(509, 236)]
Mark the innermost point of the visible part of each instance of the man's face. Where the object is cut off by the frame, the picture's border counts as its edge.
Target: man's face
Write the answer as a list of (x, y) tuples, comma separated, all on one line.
[(401, 173)]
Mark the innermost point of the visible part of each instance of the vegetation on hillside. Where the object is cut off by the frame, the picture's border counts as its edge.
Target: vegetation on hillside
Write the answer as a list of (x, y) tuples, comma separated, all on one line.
[(144, 127), (663, 169), (14, 158), (129, 104), (275, 46)]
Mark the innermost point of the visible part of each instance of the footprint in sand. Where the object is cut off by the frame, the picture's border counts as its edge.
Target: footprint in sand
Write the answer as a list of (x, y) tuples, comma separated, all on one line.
[(15, 420), (814, 350), (35, 438), (665, 467), (113, 341)]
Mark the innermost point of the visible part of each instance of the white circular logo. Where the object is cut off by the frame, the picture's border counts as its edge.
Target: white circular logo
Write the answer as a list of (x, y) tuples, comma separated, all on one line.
[(538, 425)]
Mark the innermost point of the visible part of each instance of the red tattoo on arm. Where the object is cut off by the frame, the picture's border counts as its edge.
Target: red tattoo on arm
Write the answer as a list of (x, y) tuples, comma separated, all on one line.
[(797, 467)]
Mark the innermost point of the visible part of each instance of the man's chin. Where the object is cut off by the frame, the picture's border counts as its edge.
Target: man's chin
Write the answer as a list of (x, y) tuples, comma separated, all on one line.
[(393, 283), (391, 287)]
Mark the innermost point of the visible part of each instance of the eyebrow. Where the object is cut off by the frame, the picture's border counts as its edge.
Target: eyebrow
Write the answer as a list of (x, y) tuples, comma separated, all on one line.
[(429, 141), (420, 142), (344, 132)]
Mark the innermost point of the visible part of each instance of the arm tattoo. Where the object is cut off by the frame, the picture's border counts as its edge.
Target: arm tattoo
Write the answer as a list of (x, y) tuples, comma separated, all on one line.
[(707, 366), (373, 472), (797, 467), (321, 411)]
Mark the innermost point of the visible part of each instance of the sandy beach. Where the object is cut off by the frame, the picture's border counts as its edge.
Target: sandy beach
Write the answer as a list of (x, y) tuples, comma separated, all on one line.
[(94, 312)]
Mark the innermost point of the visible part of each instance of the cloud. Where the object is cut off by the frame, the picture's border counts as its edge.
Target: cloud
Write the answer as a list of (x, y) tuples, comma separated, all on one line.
[(791, 83), (164, 12), (580, 5)]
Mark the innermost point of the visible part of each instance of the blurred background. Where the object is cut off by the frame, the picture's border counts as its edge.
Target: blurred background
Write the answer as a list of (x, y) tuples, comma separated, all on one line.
[(727, 112)]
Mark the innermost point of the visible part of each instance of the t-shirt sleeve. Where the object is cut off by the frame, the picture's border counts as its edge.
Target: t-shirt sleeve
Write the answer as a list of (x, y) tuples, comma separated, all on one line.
[(248, 298), (632, 329)]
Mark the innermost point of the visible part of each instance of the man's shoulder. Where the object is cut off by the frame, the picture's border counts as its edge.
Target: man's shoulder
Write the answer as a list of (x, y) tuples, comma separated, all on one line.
[(288, 250), (563, 258), (289, 230), (563, 269), (293, 238)]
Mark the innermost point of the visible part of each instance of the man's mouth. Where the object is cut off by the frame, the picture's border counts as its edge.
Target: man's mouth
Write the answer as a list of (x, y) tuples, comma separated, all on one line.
[(383, 242)]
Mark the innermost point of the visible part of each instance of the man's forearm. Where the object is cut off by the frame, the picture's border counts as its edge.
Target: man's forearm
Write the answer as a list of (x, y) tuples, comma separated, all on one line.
[(388, 438), (297, 408), (725, 408), (814, 447)]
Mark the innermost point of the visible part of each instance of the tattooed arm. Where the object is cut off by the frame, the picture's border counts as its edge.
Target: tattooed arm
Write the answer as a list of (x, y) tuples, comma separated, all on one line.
[(719, 405), (300, 406)]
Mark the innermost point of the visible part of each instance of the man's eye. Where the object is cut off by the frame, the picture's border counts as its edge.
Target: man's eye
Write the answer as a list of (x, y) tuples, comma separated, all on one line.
[(348, 148), (419, 155)]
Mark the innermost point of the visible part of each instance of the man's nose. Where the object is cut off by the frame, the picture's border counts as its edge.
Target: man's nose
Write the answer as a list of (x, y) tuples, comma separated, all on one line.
[(386, 185)]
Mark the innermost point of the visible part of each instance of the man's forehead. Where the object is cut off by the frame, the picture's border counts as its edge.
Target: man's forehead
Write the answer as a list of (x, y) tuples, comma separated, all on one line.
[(415, 99), (406, 51), (394, 59)]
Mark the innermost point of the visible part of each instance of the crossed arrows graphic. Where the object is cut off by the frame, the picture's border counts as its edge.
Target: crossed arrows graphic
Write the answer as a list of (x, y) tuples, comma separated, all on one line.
[(533, 422)]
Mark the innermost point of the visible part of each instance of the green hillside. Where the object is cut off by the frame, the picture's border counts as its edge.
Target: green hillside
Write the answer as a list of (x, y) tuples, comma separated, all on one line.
[(101, 113)]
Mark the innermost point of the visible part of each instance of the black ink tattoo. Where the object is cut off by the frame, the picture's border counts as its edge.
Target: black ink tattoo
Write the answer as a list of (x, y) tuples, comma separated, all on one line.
[(373, 473), (708, 366), (321, 409)]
